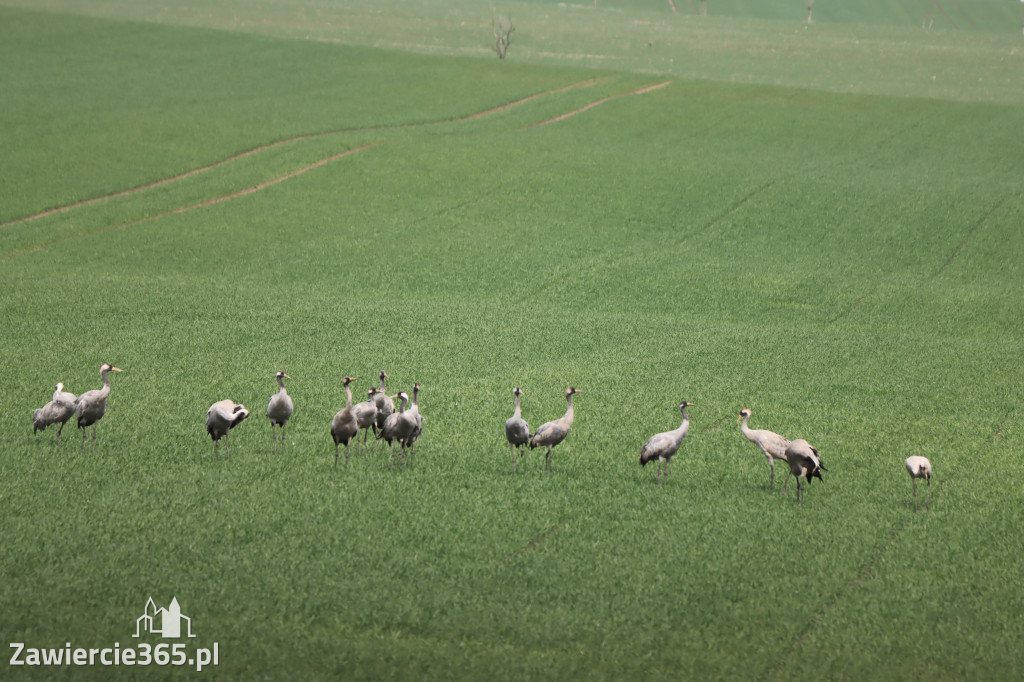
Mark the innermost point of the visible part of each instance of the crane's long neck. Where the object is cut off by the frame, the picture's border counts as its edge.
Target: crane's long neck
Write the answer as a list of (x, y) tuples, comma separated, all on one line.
[(280, 383), (518, 413), (382, 382), (105, 391), (570, 413), (401, 407), (685, 426), (746, 429), (348, 396)]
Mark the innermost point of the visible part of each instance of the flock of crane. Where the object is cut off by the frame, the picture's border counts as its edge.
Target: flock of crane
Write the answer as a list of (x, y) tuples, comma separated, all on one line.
[(405, 425)]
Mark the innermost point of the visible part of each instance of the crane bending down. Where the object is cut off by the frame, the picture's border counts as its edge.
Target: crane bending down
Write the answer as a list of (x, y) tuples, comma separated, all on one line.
[(804, 462), (920, 467), (58, 411), (663, 445), (344, 426), (223, 416), (279, 409), (91, 405), (517, 431), (553, 433), (771, 444)]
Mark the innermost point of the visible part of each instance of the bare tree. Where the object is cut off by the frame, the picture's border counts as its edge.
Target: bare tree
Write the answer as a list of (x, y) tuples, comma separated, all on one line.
[(502, 36), (810, 6)]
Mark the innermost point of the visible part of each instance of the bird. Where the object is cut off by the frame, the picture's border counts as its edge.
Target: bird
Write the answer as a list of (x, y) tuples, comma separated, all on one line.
[(344, 426), (663, 445), (398, 427), (553, 433), (366, 415), (517, 431), (58, 411), (279, 409), (414, 413), (223, 416), (90, 406), (920, 467), (771, 444), (385, 406), (804, 462)]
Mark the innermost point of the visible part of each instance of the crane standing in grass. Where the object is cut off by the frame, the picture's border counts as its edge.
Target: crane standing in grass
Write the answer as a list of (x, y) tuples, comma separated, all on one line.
[(344, 426), (398, 426), (804, 462), (663, 445), (517, 431), (771, 444), (920, 467), (385, 406), (92, 405), (366, 415), (553, 433), (414, 414), (58, 411), (223, 416), (279, 409)]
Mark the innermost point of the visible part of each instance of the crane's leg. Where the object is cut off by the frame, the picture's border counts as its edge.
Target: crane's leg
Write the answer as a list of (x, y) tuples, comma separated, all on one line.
[(392, 456), (412, 453), (335, 454), (771, 471), (216, 446), (283, 428), (273, 436), (94, 436), (58, 433), (548, 458), (512, 449)]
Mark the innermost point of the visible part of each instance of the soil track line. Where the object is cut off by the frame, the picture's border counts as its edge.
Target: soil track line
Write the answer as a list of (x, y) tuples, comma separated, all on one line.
[(566, 115), (209, 202), (290, 140)]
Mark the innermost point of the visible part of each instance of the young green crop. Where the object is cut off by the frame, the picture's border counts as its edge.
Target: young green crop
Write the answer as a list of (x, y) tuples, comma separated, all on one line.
[(847, 266)]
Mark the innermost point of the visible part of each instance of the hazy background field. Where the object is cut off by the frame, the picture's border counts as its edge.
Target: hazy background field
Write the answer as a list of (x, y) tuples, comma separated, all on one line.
[(821, 223)]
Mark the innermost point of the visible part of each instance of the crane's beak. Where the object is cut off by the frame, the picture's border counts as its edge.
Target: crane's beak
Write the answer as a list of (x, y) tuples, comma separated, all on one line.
[(286, 376), (115, 369)]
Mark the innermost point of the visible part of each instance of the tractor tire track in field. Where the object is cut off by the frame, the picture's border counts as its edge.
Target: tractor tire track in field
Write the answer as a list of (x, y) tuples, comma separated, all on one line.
[(291, 140), (970, 233), (209, 202), (568, 114)]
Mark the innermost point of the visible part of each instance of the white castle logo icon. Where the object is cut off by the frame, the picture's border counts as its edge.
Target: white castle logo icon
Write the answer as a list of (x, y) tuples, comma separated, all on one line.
[(166, 622)]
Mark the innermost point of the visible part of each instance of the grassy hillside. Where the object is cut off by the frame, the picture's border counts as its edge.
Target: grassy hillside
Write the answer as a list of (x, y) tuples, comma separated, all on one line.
[(962, 50), (846, 265)]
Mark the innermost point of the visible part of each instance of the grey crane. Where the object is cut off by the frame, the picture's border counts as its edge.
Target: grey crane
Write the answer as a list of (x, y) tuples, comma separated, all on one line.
[(344, 426), (366, 415), (279, 409), (223, 416), (553, 433), (771, 444), (663, 445), (417, 430), (920, 467), (385, 405), (804, 462), (58, 411), (399, 426), (91, 405), (517, 431)]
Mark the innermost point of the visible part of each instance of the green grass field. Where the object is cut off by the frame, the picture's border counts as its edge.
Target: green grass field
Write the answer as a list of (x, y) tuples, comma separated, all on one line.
[(806, 224)]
